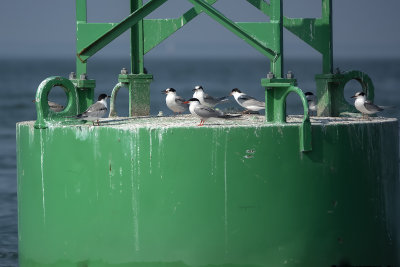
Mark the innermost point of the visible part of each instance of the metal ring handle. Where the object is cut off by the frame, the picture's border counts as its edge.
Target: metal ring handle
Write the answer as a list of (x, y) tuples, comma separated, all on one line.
[(305, 128), (44, 113), (114, 93)]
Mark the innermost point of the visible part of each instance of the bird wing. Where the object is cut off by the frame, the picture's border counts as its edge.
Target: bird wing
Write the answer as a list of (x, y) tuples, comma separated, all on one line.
[(249, 101), (213, 99), (179, 100), (381, 107), (207, 112), (370, 106), (55, 106), (223, 99), (95, 110), (209, 98)]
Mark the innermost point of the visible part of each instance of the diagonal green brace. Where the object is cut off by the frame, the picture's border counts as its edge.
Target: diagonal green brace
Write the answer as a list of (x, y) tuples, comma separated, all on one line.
[(119, 29), (230, 25), (161, 29), (262, 6)]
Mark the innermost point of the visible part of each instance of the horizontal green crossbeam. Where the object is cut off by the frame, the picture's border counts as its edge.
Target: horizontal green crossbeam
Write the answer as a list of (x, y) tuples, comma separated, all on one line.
[(220, 18), (119, 29)]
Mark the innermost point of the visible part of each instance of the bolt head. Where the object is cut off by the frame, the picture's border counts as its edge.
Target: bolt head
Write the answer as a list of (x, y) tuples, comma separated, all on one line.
[(270, 75), (83, 76), (72, 76), (290, 75), (124, 71)]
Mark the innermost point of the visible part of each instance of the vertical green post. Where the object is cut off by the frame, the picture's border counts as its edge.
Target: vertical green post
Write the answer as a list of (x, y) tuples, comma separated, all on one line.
[(85, 87), (137, 41), (139, 83), (277, 22), (327, 56), (81, 17)]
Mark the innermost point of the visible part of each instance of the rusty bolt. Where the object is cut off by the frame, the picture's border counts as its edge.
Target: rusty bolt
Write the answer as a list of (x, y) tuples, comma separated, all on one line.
[(290, 75)]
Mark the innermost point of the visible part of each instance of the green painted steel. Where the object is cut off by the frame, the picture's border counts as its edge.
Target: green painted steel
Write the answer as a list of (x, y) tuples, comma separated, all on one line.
[(148, 33), (254, 191), (114, 93), (227, 23), (44, 114), (266, 37), (316, 32), (139, 93), (119, 29), (276, 93), (161, 29), (330, 91), (137, 194), (85, 92)]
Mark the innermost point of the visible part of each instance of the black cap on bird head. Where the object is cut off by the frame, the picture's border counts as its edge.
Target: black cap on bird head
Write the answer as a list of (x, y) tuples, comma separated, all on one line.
[(358, 94), (102, 96), (235, 90), (197, 88), (191, 100), (168, 90)]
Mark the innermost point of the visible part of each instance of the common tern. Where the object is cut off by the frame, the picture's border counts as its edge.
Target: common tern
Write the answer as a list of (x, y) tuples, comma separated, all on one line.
[(206, 99), (311, 101), (248, 102), (95, 111), (365, 106), (205, 112), (173, 101), (53, 106)]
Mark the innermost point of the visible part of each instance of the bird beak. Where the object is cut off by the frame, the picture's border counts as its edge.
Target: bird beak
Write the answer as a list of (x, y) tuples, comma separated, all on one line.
[(163, 91), (230, 93), (186, 102), (194, 90), (353, 96), (108, 96)]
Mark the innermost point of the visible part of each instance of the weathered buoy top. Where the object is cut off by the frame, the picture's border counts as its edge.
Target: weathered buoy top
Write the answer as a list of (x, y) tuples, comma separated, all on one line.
[(189, 121)]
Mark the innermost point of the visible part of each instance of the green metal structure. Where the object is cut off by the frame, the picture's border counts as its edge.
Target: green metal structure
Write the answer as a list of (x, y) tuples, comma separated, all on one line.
[(135, 194), (258, 191)]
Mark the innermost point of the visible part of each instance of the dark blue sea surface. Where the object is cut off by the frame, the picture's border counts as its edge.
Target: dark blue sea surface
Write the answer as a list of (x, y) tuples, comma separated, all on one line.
[(20, 78)]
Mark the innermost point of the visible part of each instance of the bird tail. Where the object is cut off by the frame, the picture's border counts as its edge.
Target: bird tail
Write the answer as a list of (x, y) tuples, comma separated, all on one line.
[(223, 99), (75, 117), (387, 107), (230, 116)]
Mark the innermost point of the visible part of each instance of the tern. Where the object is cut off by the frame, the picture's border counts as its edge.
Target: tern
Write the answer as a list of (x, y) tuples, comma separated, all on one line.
[(248, 102), (365, 106), (173, 101), (311, 101), (204, 112), (53, 106), (95, 111), (206, 99)]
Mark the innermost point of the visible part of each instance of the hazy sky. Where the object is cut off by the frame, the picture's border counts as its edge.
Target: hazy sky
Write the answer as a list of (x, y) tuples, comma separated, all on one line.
[(46, 28)]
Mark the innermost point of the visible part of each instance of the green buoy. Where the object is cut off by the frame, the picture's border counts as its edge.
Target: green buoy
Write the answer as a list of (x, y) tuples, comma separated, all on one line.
[(271, 190)]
